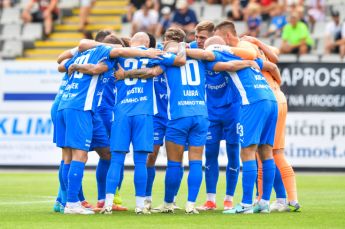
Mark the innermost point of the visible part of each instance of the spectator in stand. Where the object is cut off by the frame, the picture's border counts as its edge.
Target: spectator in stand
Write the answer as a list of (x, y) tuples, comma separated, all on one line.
[(335, 36), (316, 11), (278, 21), (6, 3), (166, 3), (296, 37), (47, 13), (85, 8), (266, 7), (223, 2), (253, 20), (165, 21), (295, 6), (184, 17), (145, 19), (133, 6)]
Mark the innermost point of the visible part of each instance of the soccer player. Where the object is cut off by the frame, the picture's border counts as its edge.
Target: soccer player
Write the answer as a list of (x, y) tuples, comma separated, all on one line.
[(187, 124), (75, 114), (223, 114), (160, 121), (287, 178), (258, 122), (134, 110)]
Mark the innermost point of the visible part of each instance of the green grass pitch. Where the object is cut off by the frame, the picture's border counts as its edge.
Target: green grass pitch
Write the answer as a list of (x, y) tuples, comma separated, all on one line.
[(26, 201)]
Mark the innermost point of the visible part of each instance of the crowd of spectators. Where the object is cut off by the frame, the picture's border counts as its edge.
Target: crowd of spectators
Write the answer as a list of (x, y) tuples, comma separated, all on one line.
[(292, 21)]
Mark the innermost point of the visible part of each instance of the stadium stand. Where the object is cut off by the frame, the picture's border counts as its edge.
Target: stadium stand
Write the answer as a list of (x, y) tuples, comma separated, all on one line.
[(106, 14)]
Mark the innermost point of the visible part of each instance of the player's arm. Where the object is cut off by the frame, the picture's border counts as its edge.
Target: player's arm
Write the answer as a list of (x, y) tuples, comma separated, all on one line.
[(90, 69), (143, 73), (181, 56), (200, 54), (270, 52), (86, 44), (273, 69), (67, 54), (62, 66), (234, 66), (131, 52)]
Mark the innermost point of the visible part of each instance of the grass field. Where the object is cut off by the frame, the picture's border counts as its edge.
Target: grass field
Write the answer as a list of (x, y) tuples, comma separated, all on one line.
[(26, 201)]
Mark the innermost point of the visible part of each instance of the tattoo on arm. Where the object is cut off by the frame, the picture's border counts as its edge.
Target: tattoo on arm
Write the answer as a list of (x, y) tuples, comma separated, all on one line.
[(181, 52), (139, 73)]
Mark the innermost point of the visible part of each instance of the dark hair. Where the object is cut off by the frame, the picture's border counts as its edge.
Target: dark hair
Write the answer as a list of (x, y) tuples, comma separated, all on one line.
[(102, 34), (174, 34), (112, 39), (152, 40), (125, 41), (227, 25)]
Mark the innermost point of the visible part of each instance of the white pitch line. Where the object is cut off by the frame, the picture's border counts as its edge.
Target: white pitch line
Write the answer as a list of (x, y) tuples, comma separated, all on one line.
[(26, 202)]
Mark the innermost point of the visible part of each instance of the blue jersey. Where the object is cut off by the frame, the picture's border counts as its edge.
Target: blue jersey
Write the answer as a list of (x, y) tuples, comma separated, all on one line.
[(160, 84), (249, 82), (64, 81), (107, 98), (193, 45), (186, 89), (136, 96), (83, 90)]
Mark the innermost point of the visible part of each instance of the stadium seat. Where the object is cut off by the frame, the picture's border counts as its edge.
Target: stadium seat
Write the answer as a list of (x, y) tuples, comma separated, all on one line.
[(68, 4), (277, 42), (288, 58), (11, 31), (198, 7), (319, 30), (309, 58), (126, 29), (320, 46), (10, 15), (267, 41), (332, 58), (241, 27), (32, 31), (212, 12), (12, 49)]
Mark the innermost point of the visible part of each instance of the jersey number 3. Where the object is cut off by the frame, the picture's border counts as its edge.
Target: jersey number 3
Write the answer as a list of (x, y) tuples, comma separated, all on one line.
[(186, 73), (135, 64)]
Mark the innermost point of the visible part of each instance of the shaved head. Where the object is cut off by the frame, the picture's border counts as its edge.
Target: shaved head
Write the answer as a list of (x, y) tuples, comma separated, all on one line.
[(215, 40), (139, 39)]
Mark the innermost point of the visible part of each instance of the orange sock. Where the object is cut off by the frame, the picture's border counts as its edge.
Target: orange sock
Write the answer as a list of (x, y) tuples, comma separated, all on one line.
[(259, 179), (288, 176)]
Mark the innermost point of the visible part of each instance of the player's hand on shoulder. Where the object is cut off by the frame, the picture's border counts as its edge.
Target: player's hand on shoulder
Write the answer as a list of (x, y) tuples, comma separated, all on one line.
[(72, 68), (249, 39), (253, 64), (154, 53), (120, 73)]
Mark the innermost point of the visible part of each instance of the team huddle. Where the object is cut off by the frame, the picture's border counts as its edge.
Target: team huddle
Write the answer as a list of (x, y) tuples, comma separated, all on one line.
[(119, 91)]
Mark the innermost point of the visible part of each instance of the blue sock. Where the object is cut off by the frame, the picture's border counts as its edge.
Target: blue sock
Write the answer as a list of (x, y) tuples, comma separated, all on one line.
[(121, 177), (172, 180), (113, 177), (268, 170), (278, 185), (179, 180), (101, 177), (64, 182), (194, 179), (211, 167), (249, 174), (75, 177), (151, 173), (81, 196), (233, 168), (60, 197), (140, 173)]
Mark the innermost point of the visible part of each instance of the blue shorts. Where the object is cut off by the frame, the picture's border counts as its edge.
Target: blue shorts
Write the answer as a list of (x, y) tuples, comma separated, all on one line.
[(225, 126), (159, 129), (136, 129), (53, 114), (74, 129), (107, 115), (100, 136), (258, 123), (189, 130)]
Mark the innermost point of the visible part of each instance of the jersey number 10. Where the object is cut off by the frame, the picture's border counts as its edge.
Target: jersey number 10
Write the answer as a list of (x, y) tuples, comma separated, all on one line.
[(186, 73)]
